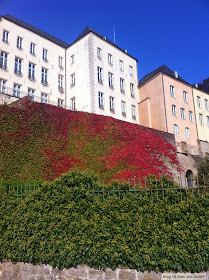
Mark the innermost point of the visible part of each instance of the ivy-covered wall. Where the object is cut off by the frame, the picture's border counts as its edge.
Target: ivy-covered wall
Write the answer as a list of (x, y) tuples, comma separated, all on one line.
[(39, 141)]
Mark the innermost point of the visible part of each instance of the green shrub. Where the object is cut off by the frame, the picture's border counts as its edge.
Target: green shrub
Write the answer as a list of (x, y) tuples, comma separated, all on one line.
[(203, 172)]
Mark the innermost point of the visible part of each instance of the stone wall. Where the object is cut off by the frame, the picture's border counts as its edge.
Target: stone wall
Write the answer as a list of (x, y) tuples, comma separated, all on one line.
[(21, 271), (203, 148)]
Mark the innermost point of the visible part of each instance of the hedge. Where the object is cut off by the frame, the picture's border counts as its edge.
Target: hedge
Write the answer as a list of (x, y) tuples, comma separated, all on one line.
[(63, 224)]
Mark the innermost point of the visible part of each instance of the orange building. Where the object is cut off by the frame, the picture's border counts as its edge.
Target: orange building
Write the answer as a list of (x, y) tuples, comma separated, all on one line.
[(166, 103)]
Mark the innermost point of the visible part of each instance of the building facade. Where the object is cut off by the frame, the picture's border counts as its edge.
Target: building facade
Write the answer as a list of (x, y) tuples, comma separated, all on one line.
[(166, 104), (92, 74)]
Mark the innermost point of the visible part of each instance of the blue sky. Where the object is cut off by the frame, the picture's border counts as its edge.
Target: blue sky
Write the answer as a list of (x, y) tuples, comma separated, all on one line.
[(156, 32)]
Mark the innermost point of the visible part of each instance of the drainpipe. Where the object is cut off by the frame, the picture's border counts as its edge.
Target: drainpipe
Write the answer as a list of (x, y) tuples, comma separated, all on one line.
[(65, 79), (164, 104)]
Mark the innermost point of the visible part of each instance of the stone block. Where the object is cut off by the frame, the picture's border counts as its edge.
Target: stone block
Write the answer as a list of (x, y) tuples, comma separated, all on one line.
[(80, 272), (110, 274), (95, 273), (127, 274)]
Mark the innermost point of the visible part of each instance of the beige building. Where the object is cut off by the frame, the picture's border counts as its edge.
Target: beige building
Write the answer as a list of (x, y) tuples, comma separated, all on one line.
[(201, 104), (92, 74), (166, 104)]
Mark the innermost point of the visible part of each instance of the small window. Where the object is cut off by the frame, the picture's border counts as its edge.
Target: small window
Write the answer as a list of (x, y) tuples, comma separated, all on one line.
[(199, 102), (133, 111), (123, 108), (187, 132), (110, 80), (31, 94), (16, 91), (122, 85), (5, 36), (72, 104), (206, 105), (18, 66), (101, 100), (121, 65), (3, 86), (44, 76), (132, 90), (60, 82), (176, 130), (44, 98), (32, 48), (99, 53), (112, 104), (131, 70), (72, 77), (185, 96), (60, 62), (100, 75), (3, 61), (19, 42), (110, 61), (172, 92), (31, 71), (208, 121), (60, 103), (45, 54), (174, 111), (191, 117), (72, 59), (201, 119), (183, 116)]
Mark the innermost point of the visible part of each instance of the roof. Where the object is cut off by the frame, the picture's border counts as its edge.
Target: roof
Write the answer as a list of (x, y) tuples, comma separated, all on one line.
[(88, 30), (37, 31), (163, 69)]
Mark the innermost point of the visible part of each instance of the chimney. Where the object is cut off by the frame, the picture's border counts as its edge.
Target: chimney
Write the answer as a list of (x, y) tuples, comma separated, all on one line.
[(126, 51), (176, 74), (104, 37), (196, 85)]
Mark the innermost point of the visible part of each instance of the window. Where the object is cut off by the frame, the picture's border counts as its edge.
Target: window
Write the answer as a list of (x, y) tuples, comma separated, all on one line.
[(112, 104), (100, 75), (32, 48), (101, 100), (121, 65), (16, 90), (206, 105), (72, 77), (31, 93), (110, 59), (60, 103), (19, 42), (208, 121), (123, 108), (44, 78), (5, 36), (176, 130), (110, 79), (199, 102), (132, 89), (122, 85), (99, 53), (3, 86), (60, 62), (191, 117), (31, 71), (133, 111), (174, 111), (60, 82), (183, 116), (187, 132), (131, 70), (172, 92), (18, 65), (44, 98), (201, 119), (72, 104), (45, 54), (185, 96), (72, 59), (3, 61)]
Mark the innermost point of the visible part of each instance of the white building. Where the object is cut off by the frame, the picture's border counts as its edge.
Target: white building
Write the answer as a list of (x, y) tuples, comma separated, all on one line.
[(92, 74)]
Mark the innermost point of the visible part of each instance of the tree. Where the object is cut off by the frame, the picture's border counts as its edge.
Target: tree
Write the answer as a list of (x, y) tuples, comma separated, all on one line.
[(203, 172), (204, 85)]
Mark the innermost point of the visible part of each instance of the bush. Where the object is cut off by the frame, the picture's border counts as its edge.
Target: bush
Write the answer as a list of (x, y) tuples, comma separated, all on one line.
[(203, 172)]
